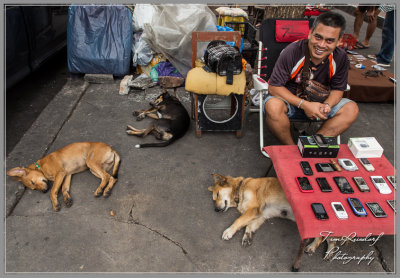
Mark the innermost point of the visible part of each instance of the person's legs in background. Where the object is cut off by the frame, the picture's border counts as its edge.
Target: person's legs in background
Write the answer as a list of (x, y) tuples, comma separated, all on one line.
[(384, 57), (371, 14), (358, 20)]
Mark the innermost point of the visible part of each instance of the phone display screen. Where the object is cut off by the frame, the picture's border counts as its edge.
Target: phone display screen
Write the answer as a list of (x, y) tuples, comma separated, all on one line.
[(338, 207), (347, 163), (360, 181), (304, 183), (324, 185), (379, 180), (364, 161), (343, 185), (319, 209), (376, 209), (356, 204)]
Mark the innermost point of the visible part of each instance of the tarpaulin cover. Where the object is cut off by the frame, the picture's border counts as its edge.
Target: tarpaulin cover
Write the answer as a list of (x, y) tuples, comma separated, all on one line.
[(99, 39), (286, 161), (170, 32)]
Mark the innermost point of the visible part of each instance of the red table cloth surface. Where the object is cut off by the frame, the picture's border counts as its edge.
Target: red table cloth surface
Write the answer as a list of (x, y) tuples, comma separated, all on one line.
[(286, 161)]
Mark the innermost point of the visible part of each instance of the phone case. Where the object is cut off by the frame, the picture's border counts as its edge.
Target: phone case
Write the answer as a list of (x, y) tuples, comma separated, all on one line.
[(319, 211), (304, 190)]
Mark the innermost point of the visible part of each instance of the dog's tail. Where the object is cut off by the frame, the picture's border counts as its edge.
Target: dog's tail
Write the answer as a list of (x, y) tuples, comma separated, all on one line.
[(117, 160), (160, 144)]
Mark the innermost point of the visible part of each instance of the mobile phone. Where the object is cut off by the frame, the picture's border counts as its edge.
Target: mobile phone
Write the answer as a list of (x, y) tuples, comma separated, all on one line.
[(357, 207), (361, 184), (324, 185), (324, 167), (381, 185), (392, 180), (376, 209), (392, 204), (343, 184), (339, 210), (347, 164), (319, 139), (319, 211), (367, 165), (305, 166), (304, 184)]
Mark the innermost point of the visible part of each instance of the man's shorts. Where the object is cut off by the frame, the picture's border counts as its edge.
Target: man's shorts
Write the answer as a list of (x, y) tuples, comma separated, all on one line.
[(298, 114)]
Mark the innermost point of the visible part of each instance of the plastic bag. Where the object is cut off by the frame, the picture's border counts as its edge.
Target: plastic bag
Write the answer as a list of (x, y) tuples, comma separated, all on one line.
[(99, 39), (170, 32), (163, 69), (142, 54), (143, 13)]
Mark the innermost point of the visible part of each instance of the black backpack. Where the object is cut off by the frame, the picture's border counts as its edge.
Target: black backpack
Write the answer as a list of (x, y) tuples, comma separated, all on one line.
[(223, 59)]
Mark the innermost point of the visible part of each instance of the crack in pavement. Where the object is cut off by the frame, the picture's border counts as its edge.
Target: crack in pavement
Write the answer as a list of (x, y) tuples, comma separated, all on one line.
[(132, 220)]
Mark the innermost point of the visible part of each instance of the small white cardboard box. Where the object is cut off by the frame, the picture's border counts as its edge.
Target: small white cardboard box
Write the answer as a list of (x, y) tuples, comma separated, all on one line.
[(365, 147)]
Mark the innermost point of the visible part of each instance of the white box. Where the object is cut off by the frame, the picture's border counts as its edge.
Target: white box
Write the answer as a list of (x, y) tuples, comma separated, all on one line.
[(365, 147)]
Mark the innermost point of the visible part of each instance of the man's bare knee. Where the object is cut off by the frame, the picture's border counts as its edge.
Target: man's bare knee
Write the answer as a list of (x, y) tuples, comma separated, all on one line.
[(275, 108), (350, 111)]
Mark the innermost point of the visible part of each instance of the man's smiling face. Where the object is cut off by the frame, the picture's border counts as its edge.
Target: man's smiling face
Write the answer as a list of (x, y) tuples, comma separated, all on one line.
[(322, 41)]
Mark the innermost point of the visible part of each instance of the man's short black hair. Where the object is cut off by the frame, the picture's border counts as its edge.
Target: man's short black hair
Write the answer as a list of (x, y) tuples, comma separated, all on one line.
[(331, 19)]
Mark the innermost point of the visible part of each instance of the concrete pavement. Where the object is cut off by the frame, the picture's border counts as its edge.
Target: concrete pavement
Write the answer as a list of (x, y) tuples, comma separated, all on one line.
[(164, 219), (164, 216)]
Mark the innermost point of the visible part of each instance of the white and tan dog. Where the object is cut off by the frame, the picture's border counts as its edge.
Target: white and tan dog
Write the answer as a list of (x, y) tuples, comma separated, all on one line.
[(257, 199), (60, 165)]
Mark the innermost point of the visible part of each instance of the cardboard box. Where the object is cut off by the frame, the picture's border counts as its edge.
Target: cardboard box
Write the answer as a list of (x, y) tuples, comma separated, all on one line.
[(365, 147), (309, 148)]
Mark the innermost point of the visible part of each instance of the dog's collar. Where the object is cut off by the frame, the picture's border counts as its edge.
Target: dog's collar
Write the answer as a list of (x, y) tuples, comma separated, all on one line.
[(237, 192), (37, 165)]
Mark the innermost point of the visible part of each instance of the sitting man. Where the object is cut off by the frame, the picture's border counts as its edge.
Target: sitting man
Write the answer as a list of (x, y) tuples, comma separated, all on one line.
[(328, 65)]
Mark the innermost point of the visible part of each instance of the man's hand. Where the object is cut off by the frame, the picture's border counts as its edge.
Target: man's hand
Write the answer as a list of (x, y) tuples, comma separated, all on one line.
[(326, 109), (370, 15), (314, 110)]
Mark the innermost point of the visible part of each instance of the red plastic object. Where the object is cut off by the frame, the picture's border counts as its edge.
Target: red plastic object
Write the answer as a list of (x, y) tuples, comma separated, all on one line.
[(348, 42), (314, 11)]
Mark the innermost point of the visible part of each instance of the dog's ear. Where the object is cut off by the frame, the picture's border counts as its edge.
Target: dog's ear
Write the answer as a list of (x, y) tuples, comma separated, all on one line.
[(211, 188), (219, 178), (17, 172)]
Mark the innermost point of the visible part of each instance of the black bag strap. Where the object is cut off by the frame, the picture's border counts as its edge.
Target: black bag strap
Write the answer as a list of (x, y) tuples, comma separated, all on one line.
[(229, 72), (305, 74)]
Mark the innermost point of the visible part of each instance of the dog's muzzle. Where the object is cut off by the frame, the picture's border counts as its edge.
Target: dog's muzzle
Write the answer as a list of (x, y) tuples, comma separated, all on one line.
[(45, 190)]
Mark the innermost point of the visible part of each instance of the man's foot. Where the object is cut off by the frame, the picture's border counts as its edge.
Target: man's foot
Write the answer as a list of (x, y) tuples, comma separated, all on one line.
[(383, 65), (360, 45)]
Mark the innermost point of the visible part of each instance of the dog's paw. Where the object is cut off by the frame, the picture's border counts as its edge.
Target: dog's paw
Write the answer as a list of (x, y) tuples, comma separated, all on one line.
[(57, 207), (98, 193), (140, 116), (309, 249), (68, 202), (228, 234), (247, 239), (106, 194)]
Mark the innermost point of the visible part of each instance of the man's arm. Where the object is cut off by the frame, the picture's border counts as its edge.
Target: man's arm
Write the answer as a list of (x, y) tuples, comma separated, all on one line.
[(313, 110)]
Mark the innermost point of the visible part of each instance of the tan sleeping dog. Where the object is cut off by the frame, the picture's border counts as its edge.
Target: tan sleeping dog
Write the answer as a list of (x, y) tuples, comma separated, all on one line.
[(257, 199), (60, 165)]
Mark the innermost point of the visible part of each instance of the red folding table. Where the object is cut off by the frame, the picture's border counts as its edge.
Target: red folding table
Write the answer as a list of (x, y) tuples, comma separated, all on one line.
[(286, 161)]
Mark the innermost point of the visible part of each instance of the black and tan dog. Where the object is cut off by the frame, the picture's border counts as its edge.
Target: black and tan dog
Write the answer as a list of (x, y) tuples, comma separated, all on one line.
[(172, 121), (60, 165), (257, 199)]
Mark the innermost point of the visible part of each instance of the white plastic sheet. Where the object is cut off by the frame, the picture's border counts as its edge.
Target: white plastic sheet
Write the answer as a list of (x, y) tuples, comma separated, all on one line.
[(143, 13), (170, 32)]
